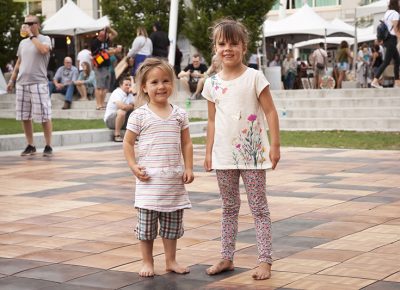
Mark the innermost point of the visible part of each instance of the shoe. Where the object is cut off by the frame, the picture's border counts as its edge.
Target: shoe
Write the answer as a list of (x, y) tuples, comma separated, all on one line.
[(118, 138), (48, 151), (376, 85), (29, 150), (67, 106)]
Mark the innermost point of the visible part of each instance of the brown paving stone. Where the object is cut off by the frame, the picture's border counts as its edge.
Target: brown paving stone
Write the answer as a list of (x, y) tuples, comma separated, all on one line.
[(53, 255), (333, 230), (17, 238), (102, 261), (12, 251), (326, 255), (93, 246), (20, 283), (315, 282), (14, 227)]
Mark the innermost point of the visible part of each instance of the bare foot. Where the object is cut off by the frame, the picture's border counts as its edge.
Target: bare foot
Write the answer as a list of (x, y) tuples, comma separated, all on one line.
[(221, 266), (147, 270), (175, 267), (262, 272)]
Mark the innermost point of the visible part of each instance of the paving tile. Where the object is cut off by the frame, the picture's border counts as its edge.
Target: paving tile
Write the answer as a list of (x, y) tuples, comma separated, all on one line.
[(107, 279), (58, 272), (383, 285), (17, 283), (12, 266), (334, 212)]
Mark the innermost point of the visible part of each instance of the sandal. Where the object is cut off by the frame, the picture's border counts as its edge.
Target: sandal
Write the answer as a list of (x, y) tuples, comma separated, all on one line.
[(101, 108), (118, 138)]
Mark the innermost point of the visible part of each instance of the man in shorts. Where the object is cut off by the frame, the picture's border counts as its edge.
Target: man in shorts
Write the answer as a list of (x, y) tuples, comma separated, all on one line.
[(119, 107), (32, 90), (101, 52)]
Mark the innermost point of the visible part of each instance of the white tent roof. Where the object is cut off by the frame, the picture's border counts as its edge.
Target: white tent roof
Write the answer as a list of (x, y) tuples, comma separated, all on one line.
[(98, 24), (70, 20), (373, 8), (303, 21), (363, 35)]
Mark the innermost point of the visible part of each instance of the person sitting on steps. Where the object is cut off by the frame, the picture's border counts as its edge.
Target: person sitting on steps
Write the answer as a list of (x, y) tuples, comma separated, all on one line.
[(119, 107), (86, 81), (63, 82), (192, 74)]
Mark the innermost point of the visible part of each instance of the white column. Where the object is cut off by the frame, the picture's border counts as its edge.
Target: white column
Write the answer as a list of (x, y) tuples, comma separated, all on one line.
[(172, 30), (282, 9)]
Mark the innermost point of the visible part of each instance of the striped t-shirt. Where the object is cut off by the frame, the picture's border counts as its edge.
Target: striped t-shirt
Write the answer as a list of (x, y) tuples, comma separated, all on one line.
[(159, 151)]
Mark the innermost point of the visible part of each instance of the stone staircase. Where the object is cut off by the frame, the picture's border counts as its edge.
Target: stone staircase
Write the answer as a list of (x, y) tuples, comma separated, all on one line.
[(346, 109)]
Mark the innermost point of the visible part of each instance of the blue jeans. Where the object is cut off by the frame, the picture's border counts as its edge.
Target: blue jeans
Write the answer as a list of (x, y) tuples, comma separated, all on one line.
[(289, 81), (68, 91)]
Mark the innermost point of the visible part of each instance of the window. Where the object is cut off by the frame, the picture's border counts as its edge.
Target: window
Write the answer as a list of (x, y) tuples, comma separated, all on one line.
[(320, 3)]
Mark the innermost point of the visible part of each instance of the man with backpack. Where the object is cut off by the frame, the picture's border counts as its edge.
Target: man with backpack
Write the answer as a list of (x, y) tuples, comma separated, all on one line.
[(387, 33)]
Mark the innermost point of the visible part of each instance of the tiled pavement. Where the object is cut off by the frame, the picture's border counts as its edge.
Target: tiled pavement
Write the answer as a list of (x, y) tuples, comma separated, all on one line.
[(67, 223)]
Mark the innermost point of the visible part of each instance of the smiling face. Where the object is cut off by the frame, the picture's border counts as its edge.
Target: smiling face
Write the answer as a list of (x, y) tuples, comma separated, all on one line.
[(230, 52), (158, 85)]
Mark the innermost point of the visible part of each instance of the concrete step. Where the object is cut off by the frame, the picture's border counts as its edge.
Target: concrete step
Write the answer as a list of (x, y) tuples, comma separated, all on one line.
[(354, 103), (343, 93), (381, 112), (360, 124), (66, 138)]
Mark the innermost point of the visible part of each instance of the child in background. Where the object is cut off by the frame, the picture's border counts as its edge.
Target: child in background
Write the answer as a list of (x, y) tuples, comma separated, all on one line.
[(163, 136), (239, 99)]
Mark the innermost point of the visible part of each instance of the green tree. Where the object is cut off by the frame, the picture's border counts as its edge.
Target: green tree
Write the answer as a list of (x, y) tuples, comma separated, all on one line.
[(127, 15), (10, 22), (201, 14)]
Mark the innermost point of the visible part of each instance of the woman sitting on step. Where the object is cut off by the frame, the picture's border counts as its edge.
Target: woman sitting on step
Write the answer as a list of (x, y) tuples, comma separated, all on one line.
[(86, 82)]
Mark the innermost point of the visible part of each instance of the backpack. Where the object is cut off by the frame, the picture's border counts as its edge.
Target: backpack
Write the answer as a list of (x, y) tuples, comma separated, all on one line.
[(382, 31)]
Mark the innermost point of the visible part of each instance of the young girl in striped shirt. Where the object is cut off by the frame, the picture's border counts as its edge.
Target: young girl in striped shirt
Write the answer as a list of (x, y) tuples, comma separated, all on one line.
[(162, 130)]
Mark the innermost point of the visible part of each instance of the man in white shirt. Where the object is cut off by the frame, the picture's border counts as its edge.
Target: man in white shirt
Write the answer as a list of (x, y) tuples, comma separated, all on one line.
[(319, 61), (85, 55), (119, 107)]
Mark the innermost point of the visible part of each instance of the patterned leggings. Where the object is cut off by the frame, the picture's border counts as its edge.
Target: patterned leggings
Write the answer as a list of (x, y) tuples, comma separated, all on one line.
[(255, 185)]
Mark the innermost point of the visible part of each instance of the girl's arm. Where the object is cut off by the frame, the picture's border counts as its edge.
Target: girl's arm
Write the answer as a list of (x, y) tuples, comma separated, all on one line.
[(129, 152), (273, 123), (210, 136), (187, 152)]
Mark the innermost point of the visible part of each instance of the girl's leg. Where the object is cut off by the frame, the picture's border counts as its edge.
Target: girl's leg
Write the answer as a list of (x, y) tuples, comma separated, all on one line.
[(146, 248), (146, 232), (255, 184), (170, 257), (228, 182), (171, 229)]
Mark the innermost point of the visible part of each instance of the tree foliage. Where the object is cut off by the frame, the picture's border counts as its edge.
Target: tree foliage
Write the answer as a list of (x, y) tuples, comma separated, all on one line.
[(127, 15), (201, 14), (11, 19)]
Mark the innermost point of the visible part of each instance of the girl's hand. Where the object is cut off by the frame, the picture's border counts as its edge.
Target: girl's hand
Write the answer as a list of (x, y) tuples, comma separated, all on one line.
[(188, 176), (208, 163), (140, 172), (274, 155)]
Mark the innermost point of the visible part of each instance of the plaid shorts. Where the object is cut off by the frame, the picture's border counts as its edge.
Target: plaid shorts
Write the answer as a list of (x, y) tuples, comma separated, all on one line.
[(171, 224), (33, 103)]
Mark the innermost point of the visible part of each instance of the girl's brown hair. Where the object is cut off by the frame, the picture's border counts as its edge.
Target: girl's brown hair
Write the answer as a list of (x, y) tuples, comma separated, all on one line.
[(144, 69), (229, 30), (141, 31)]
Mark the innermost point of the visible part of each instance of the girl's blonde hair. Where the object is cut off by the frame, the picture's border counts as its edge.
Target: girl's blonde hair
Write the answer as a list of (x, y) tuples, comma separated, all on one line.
[(229, 30), (144, 69), (141, 31)]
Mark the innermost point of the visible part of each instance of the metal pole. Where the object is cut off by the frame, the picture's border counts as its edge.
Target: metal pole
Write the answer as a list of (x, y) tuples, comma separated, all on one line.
[(172, 30), (355, 45)]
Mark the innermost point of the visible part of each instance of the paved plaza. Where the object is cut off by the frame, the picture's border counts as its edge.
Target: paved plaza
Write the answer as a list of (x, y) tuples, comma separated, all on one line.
[(67, 223)]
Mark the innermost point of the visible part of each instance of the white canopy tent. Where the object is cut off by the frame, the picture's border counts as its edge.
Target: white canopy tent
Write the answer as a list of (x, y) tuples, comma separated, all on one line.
[(363, 35), (71, 20), (304, 22)]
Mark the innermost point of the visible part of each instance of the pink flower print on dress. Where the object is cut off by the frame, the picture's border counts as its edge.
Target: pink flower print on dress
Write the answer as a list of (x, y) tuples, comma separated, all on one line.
[(252, 118), (224, 90)]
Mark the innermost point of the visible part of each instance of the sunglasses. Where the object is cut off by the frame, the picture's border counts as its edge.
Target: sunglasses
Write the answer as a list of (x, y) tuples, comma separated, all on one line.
[(30, 23)]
